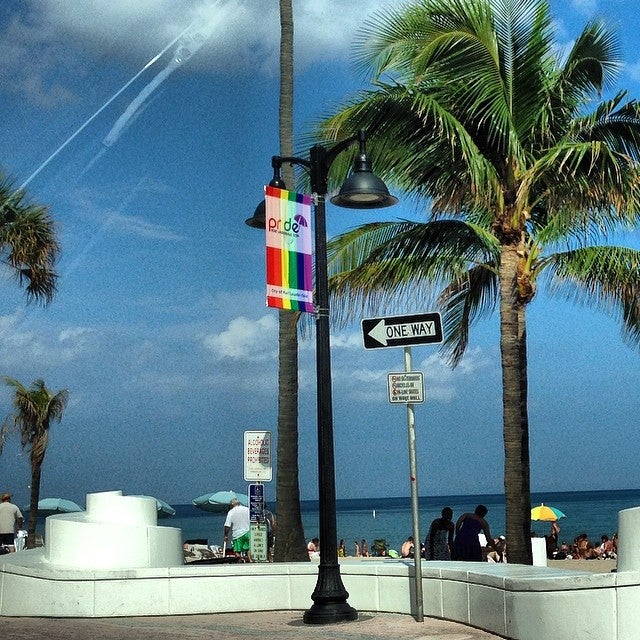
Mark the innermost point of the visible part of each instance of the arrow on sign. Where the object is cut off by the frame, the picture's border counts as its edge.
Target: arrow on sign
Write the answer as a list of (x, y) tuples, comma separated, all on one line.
[(398, 331)]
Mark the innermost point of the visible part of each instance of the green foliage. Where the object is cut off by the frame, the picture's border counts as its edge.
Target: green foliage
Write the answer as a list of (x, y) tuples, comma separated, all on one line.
[(523, 170), (28, 243)]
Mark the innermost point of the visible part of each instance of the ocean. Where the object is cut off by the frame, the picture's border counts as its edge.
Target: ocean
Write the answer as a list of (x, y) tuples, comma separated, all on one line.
[(591, 512)]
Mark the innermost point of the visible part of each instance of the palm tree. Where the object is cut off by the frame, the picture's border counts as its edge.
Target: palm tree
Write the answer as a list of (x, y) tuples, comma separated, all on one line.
[(290, 541), (525, 170), (35, 408), (28, 243)]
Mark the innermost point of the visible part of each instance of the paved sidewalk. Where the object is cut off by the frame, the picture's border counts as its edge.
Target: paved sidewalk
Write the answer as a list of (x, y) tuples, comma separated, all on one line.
[(278, 625)]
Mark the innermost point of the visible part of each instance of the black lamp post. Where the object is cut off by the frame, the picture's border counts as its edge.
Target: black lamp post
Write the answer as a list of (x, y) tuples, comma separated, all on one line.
[(361, 190)]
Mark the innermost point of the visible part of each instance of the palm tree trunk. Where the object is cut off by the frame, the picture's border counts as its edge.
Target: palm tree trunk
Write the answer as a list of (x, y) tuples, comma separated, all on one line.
[(36, 470), (514, 406), (290, 542)]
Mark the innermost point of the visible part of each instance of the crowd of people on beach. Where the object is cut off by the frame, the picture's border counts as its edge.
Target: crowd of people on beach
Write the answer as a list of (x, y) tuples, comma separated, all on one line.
[(581, 548), (470, 538)]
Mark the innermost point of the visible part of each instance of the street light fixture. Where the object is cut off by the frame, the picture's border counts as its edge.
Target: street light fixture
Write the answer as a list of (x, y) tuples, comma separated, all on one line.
[(361, 190)]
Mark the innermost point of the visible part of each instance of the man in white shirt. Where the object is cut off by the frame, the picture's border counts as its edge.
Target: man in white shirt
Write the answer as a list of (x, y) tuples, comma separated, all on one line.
[(238, 522), (10, 516)]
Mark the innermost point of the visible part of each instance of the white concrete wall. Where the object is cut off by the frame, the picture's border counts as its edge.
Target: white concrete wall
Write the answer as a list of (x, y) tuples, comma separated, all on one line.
[(114, 560), (514, 601)]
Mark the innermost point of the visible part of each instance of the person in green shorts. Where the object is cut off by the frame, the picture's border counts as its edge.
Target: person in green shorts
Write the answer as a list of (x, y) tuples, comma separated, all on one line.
[(238, 523)]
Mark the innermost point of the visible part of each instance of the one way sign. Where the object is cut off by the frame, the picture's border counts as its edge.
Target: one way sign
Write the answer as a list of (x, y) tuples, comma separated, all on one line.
[(402, 331)]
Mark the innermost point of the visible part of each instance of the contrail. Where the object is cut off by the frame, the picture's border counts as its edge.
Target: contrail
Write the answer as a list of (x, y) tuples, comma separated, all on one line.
[(188, 45), (103, 107)]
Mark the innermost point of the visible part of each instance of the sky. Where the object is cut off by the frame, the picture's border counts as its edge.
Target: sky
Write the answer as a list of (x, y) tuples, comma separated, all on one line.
[(147, 127)]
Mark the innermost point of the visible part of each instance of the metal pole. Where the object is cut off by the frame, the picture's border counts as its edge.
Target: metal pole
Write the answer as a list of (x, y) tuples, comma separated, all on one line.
[(330, 596), (415, 511)]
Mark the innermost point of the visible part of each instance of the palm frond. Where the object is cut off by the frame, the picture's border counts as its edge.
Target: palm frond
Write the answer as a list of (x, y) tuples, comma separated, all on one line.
[(386, 265), (465, 300), (603, 276)]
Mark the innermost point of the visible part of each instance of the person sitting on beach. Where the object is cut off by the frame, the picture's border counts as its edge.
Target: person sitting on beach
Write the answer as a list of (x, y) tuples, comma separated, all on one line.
[(439, 540), (584, 548), (606, 547), (407, 548), (313, 548), (495, 556)]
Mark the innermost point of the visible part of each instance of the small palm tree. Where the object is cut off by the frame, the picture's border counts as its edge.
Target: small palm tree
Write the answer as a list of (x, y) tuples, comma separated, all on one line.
[(28, 244), (35, 408)]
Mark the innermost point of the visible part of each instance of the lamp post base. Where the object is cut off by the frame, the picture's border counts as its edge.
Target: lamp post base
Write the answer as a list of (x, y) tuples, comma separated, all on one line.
[(329, 598), (330, 613)]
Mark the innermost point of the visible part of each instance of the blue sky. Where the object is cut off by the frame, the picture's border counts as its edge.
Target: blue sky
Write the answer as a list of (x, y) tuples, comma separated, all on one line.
[(159, 329)]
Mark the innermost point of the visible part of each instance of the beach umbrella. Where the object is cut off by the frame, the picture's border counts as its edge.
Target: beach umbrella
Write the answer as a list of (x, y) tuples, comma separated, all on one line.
[(546, 513), (219, 501), (51, 506), (165, 510)]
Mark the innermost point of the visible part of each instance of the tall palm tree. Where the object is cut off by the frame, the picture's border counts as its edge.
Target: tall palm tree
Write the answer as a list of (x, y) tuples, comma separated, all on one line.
[(35, 408), (475, 113), (28, 243), (290, 541)]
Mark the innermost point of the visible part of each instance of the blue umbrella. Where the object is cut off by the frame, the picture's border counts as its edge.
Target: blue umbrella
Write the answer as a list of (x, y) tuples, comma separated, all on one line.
[(219, 501), (51, 506), (165, 510)]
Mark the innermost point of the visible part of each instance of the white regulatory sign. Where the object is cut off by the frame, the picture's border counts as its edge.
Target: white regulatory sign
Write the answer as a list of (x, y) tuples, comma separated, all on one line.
[(406, 387), (257, 456)]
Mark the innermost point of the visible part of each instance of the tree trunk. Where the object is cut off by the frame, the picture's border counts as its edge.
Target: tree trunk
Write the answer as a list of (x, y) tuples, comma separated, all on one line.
[(290, 542), (515, 417), (36, 469)]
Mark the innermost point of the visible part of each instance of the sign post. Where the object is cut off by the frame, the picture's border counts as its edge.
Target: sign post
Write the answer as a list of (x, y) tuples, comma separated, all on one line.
[(407, 388), (402, 331), (257, 456), (258, 527), (257, 469)]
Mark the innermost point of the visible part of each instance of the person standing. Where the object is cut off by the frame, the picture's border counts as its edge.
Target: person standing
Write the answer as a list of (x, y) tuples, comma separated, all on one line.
[(238, 522), (10, 516), (466, 544), (439, 540)]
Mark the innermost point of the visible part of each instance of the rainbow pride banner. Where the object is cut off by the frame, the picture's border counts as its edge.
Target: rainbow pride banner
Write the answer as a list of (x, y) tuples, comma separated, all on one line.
[(289, 257)]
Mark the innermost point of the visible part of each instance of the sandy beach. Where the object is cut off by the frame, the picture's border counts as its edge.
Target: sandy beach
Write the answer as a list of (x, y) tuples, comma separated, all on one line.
[(595, 566)]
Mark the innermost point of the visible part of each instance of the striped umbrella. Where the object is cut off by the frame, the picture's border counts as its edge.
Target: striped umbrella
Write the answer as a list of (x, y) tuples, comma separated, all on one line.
[(546, 513)]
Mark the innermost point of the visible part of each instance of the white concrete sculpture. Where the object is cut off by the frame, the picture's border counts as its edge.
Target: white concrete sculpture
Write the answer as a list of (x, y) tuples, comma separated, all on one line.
[(115, 532)]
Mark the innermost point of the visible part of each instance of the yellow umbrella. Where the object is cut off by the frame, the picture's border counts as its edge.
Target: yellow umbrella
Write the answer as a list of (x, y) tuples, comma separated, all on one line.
[(546, 513)]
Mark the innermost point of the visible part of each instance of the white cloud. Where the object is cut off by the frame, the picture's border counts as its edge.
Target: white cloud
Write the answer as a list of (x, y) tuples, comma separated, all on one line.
[(586, 7), (634, 71), (49, 36), (27, 349), (245, 339), (137, 226), (351, 340)]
